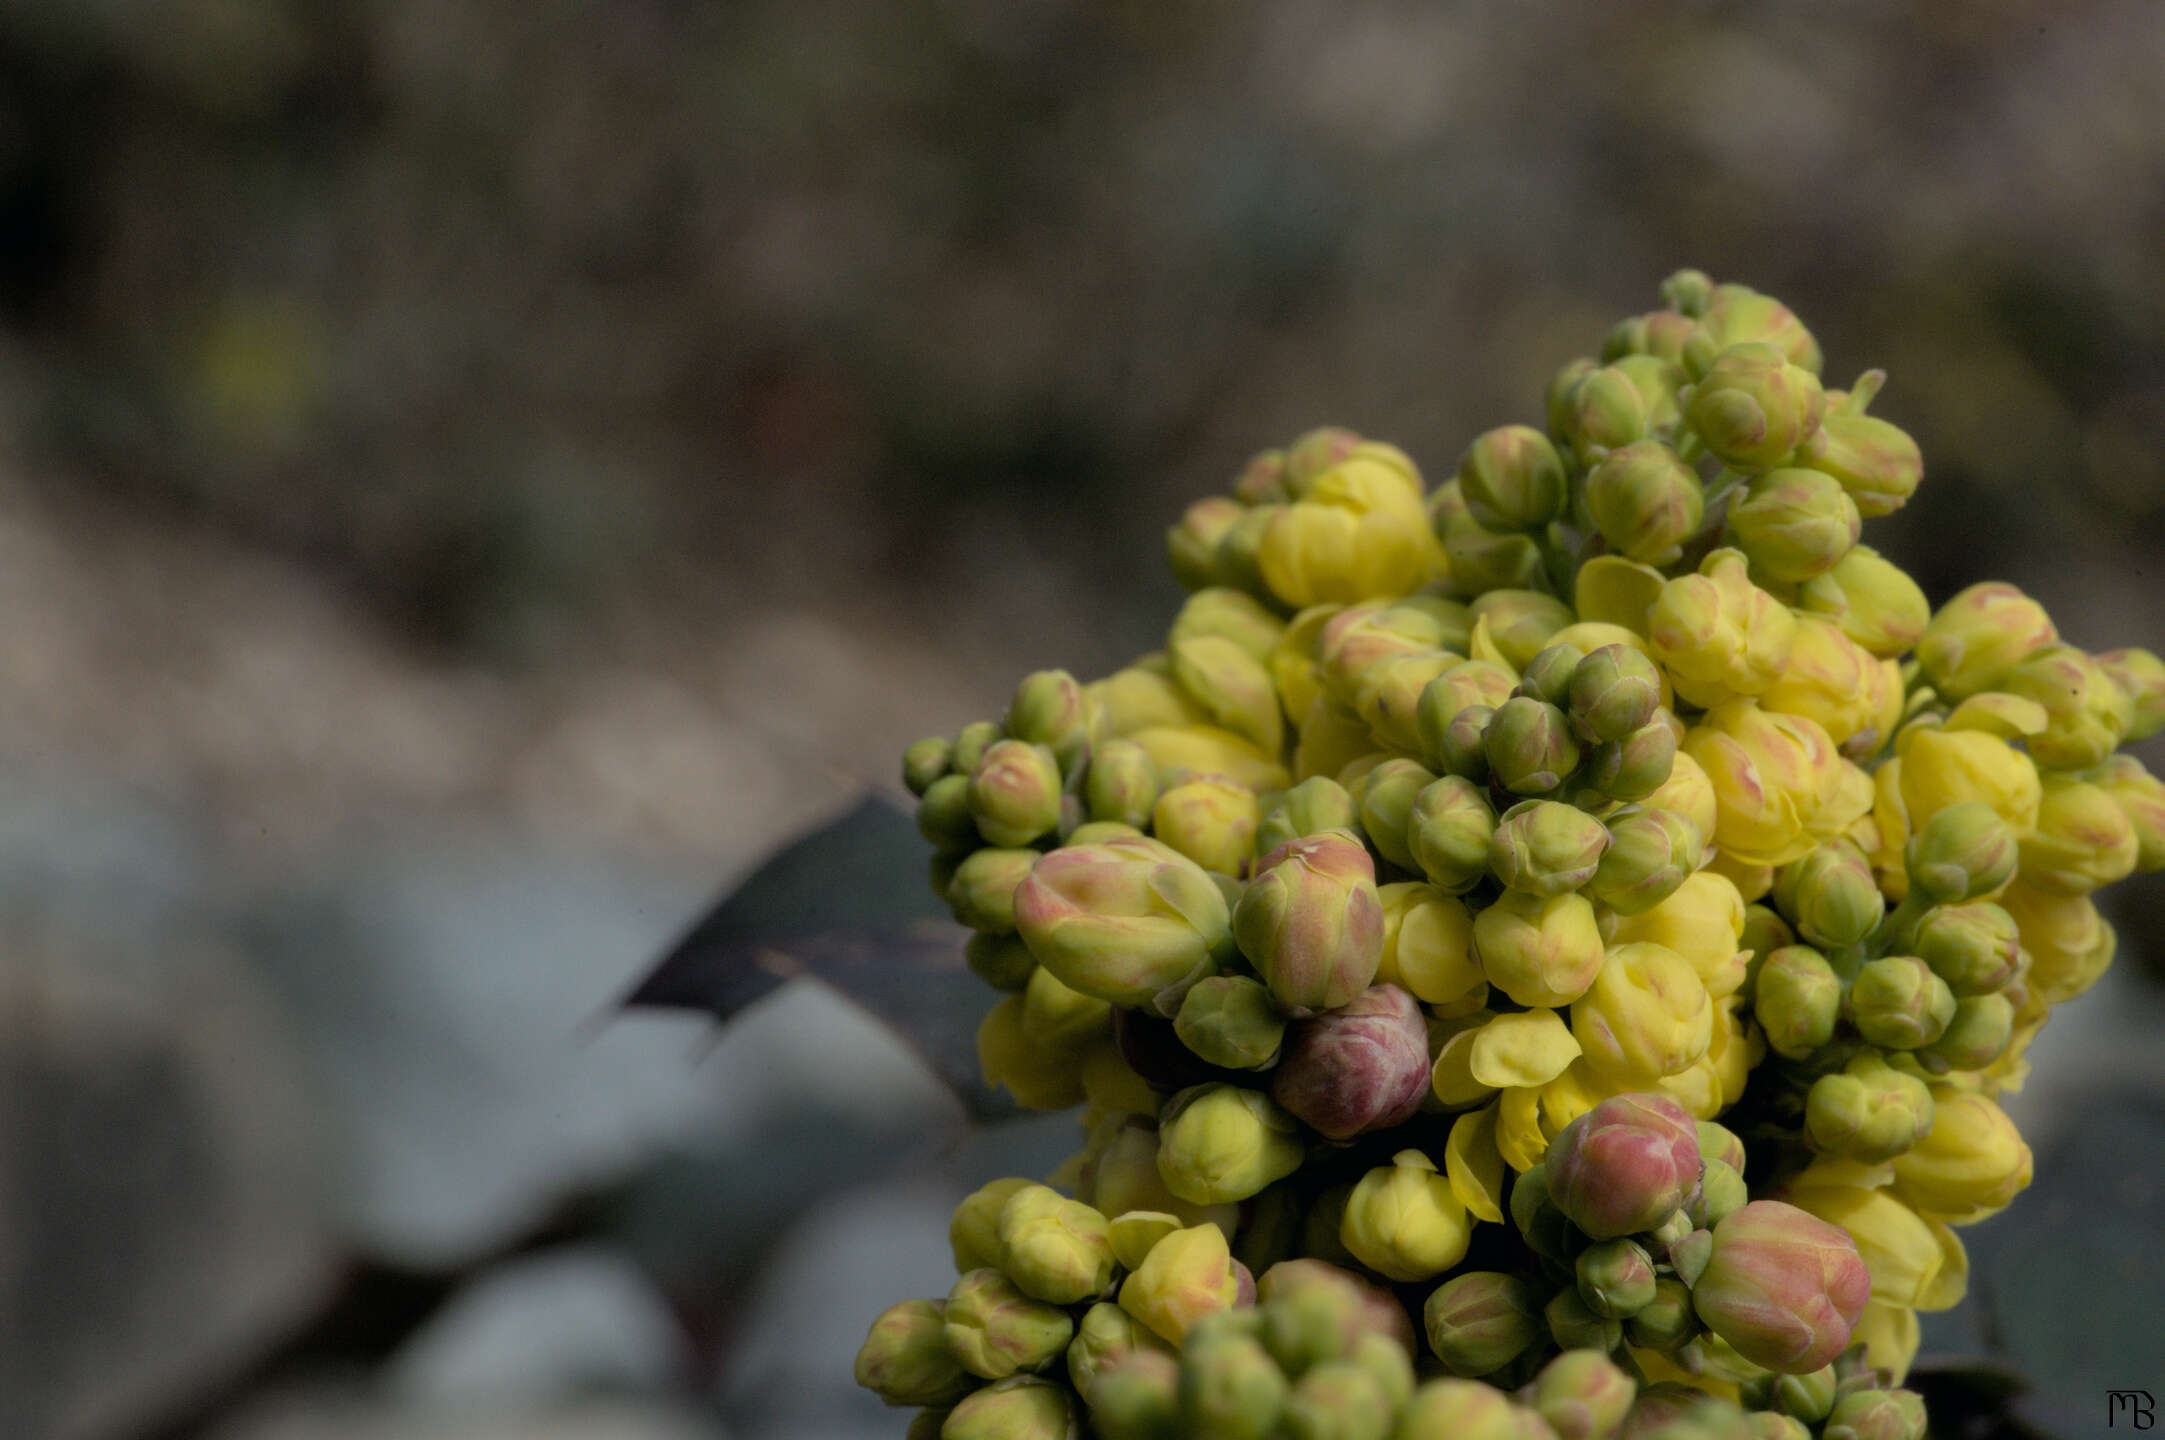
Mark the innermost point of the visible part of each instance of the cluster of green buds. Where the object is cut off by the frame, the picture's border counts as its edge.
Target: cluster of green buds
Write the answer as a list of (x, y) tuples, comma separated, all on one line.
[(1592, 904)]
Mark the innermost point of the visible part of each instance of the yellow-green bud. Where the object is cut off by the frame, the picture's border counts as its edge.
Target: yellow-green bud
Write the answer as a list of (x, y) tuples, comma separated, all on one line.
[(943, 815), (1023, 1408), (1964, 851), (1455, 1409), (1054, 1249), (2141, 797), (1616, 1278), (1975, 641), (925, 762), (974, 1231), (1797, 999), (1233, 687), (1876, 1415), (1722, 1193), (1645, 501), (1539, 950), (1187, 1276), (1137, 1397), (1650, 853), (1658, 382), (1388, 1364), (1718, 634), (1229, 1021), (1543, 847), (1192, 544), (1605, 411), (1530, 747), (2083, 840), (1583, 1395), (2087, 714), (1658, 332), (1481, 1321), (1317, 804), (1230, 1388), (1448, 833), (1481, 560), (971, 743), (2141, 675), (1898, 1003), (1219, 1143), (982, 892), (1262, 481), (1548, 675), (1561, 386), (1316, 452), (1386, 796), (1404, 1221), (1121, 784), (1311, 923), (1667, 1322), (1512, 479), (926, 1424), (1877, 463), (1103, 1335), (1229, 614), (996, 1330), (1048, 710), (1635, 767), (1807, 1397), (1125, 920), (1753, 408), (1614, 692), (1872, 600), (1474, 682), (1794, 524), (905, 1360), (1521, 621), (1731, 314), (1462, 748), (1210, 819), (1238, 560), (1978, 1035), (1974, 948), (1002, 961), (1831, 895), (1575, 1325), (1645, 1016), (1350, 1305), (1015, 792), (1765, 932), (1338, 1400)]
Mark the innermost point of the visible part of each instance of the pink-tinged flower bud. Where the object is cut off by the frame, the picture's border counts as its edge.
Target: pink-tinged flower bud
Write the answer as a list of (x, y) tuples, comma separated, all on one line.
[(1015, 792), (1311, 922), (1877, 1415), (1125, 920), (2087, 714), (1512, 479), (1624, 1166), (1976, 639), (2141, 677), (1192, 545), (905, 1360), (1376, 1310), (1583, 1395), (1753, 408), (1358, 1068), (1782, 1287), (1482, 1320)]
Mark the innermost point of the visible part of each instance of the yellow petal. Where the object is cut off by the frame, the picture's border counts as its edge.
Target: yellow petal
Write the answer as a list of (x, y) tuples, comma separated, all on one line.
[(1482, 646), (1518, 1129), (1616, 591), (1946, 1288), (1531, 1047), (1452, 1078), (1997, 713), (1475, 1165)]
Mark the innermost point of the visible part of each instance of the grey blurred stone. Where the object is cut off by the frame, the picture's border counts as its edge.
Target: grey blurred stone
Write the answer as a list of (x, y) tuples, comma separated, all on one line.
[(338, 1415)]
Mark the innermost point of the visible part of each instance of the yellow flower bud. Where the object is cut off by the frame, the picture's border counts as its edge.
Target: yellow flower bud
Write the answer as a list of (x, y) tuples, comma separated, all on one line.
[(1872, 599), (1055, 1249), (1971, 1163), (1404, 1221), (1295, 661), (1913, 1261), (1388, 696), (2141, 798), (1977, 639), (1718, 635), (1361, 531), (1779, 783), (1038, 1076), (1228, 613), (1947, 767), (1646, 1015), (1703, 921), (1209, 819), (1688, 792), (2087, 713), (2070, 944), (1539, 949), (1220, 1143), (1192, 545), (1427, 944), (2082, 841), (2142, 676), (1182, 751), (1832, 680), (1186, 1276), (1232, 686)]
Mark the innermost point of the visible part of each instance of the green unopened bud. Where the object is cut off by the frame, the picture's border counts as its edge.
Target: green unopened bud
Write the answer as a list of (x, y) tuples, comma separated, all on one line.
[(1230, 1389), (1103, 1335), (1311, 922), (1877, 1415), (1667, 1322), (1315, 452), (1548, 675), (1317, 804), (1650, 854), (1688, 1256), (1964, 851), (1546, 848), (1793, 524), (1660, 333), (1867, 1111), (1658, 382), (996, 1330), (1048, 710), (1530, 746), (925, 762), (1722, 1193), (1783, 1287), (1228, 1020), (1463, 746), (1898, 1003), (1765, 932), (1975, 641), (1237, 562), (2087, 714), (1872, 600), (1188, 1276), (1481, 1321), (1731, 314), (1616, 1278), (905, 1360), (1512, 479), (1220, 1143), (1137, 1397), (1306, 1324), (1455, 1409), (943, 815), (1831, 895), (1521, 622), (1978, 1035), (1121, 784), (1015, 792), (1614, 692), (1645, 501), (1797, 999), (1233, 687), (1635, 767), (1719, 1142), (1024, 1408), (1192, 544), (2141, 677), (1574, 1325), (1472, 682), (1055, 1249), (971, 743), (1338, 1400), (1583, 1395), (1404, 1221), (1547, 1231), (1878, 464), (1482, 560), (1975, 948), (1386, 797), (1562, 385), (1753, 408), (1605, 411), (982, 892), (974, 1231), (1124, 920), (1448, 832), (1807, 1397)]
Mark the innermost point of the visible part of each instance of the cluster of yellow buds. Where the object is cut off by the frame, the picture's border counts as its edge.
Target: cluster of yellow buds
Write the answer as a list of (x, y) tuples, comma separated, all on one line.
[(1462, 857)]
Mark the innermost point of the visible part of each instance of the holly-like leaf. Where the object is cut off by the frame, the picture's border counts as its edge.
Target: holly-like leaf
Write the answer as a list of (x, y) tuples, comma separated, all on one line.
[(846, 905)]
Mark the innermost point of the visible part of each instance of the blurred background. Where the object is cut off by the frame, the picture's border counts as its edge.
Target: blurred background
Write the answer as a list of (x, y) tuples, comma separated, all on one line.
[(478, 475)]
